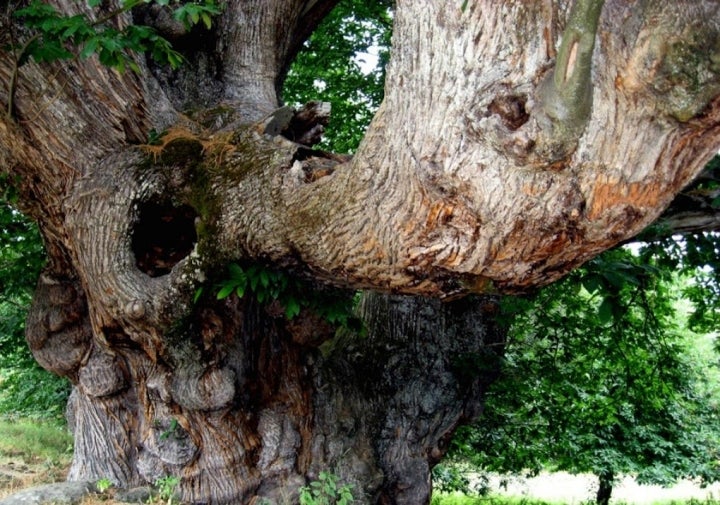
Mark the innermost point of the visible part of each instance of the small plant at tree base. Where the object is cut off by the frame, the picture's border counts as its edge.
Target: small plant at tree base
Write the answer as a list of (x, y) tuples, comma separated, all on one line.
[(103, 484), (166, 488), (325, 491)]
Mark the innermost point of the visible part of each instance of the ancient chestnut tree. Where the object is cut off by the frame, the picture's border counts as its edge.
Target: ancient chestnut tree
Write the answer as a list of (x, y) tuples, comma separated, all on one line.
[(516, 140)]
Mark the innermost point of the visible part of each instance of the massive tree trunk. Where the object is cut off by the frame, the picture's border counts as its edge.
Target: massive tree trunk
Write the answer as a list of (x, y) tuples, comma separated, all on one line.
[(516, 140)]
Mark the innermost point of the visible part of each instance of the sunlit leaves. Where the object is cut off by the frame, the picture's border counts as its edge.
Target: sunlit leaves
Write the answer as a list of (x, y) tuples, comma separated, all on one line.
[(598, 379), (334, 66), (58, 36), (695, 257)]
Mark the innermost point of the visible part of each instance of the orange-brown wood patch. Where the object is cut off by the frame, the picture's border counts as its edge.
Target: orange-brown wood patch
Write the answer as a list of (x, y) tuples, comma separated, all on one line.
[(613, 194)]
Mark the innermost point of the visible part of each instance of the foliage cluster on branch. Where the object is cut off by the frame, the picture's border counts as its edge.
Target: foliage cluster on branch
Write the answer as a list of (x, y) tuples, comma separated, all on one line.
[(601, 377), (99, 31), (266, 285), (57, 36)]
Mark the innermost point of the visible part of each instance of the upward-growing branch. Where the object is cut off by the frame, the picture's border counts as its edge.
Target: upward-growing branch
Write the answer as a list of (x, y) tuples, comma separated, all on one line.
[(566, 95), (58, 35)]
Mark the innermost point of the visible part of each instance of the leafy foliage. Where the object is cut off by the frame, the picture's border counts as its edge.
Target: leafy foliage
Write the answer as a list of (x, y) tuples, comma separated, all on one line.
[(696, 257), (59, 36), (456, 478), (325, 491), (597, 379), (166, 487), (25, 388), (336, 66), (103, 484), (21, 251), (266, 285)]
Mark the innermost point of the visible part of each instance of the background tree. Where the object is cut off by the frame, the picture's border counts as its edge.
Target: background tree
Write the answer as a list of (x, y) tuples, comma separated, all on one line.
[(343, 63), (26, 389), (493, 164), (599, 378)]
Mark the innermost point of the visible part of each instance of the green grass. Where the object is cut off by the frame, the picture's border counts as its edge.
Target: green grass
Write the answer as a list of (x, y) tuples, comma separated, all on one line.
[(461, 499), (34, 441)]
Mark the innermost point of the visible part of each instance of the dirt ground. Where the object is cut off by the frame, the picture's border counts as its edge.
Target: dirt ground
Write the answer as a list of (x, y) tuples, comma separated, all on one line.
[(576, 489), (16, 474)]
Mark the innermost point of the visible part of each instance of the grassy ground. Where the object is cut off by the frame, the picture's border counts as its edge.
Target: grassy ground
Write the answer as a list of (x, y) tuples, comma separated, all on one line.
[(32, 452), (37, 452), (460, 499)]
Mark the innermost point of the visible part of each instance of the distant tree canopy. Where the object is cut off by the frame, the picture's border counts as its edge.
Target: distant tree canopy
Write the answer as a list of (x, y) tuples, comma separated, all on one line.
[(343, 63), (25, 388), (600, 376)]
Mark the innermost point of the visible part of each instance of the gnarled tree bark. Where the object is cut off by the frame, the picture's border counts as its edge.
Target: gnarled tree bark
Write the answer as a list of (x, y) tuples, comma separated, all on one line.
[(516, 141)]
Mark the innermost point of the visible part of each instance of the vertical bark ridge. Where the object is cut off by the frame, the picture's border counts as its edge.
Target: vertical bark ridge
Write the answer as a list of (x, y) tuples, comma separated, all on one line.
[(104, 445)]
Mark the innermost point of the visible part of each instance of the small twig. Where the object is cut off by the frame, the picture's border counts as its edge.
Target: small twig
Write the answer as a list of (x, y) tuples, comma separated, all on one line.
[(47, 104), (113, 14), (14, 76)]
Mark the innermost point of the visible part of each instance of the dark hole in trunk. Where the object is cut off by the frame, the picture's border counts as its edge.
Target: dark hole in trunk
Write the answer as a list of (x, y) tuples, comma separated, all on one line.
[(163, 235)]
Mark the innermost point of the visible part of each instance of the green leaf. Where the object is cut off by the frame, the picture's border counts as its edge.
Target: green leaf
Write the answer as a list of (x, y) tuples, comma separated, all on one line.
[(253, 278), (207, 20), (129, 4), (49, 50), (292, 308), (264, 278), (592, 284), (225, 291), (89, 47), (236, 271), (120, 65), (134, 66)]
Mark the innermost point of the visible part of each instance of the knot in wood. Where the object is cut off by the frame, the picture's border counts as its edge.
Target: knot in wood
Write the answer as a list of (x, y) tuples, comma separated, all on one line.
[(135, 309)]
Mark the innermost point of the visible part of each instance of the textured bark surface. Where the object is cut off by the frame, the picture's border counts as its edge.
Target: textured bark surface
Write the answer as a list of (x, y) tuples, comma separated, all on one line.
[(516, 140)]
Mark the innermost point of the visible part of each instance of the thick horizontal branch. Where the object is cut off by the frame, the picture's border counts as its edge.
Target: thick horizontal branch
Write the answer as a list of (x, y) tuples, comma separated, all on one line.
[(694, 210), (450, 192)]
